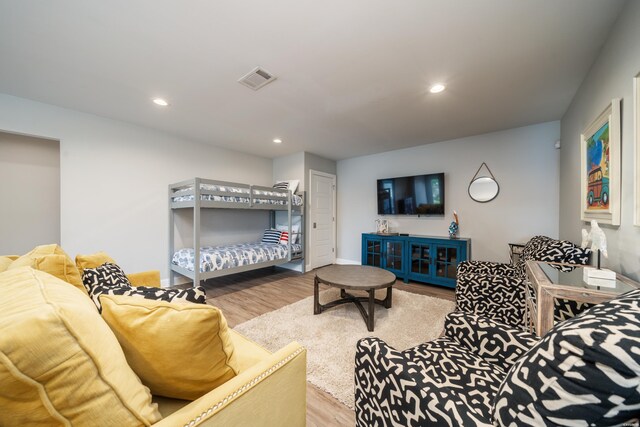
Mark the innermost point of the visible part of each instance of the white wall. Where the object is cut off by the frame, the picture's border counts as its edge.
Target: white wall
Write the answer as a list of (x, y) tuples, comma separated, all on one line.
[(114, 178), (524, 162), (611, 76), (30, 192), (297, 166)]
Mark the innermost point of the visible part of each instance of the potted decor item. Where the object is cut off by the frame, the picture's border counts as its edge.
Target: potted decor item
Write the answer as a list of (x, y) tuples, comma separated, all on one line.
[(453, 227)]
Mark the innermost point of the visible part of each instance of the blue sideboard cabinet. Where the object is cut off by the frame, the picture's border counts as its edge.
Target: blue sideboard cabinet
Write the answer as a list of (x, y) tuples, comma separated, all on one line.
[(426, 259)]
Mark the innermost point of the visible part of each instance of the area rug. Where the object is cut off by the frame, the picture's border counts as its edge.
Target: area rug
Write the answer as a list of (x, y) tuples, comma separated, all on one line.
[(330, 337)]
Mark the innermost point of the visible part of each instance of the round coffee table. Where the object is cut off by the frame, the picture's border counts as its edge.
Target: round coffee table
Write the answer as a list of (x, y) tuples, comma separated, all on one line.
[(354, 277)]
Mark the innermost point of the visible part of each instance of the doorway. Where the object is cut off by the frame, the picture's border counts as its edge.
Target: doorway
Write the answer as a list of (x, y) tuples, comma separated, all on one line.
[(322, 219)]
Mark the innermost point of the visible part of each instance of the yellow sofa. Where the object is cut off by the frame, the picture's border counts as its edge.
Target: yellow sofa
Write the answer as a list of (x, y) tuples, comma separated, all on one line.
[(269, 390)]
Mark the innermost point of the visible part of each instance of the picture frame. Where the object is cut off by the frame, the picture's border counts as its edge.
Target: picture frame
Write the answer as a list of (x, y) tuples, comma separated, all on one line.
[(636, 136), (600, 167)]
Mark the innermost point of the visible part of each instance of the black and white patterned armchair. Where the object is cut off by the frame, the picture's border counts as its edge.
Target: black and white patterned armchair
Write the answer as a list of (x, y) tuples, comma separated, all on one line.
[(584, 372), (497, 290)]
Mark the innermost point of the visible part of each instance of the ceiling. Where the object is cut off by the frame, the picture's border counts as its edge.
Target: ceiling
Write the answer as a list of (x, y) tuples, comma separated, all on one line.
[(353, 76)]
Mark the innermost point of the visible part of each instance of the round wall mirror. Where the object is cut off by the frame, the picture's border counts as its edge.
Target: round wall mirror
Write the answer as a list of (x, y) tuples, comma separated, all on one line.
[(483, 189)]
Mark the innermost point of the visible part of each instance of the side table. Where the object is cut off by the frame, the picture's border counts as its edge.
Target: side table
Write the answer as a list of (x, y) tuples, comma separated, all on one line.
[(550, 283)]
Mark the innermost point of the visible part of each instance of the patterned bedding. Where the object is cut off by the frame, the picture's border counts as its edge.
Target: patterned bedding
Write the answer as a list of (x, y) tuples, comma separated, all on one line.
[(260, 196), (214, 258)]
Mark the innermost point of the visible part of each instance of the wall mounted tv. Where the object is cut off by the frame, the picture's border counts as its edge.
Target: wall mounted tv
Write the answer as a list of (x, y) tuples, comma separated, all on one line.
[(411, 195)]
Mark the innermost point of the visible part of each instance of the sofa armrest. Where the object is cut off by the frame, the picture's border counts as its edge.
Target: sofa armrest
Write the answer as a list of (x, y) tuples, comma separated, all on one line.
[(149, 278), (487, 267), (495, 342), (501, 298), (270, 393)]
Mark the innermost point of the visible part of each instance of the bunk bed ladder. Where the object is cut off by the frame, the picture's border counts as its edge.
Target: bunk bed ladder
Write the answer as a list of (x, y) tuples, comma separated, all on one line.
[(196, 232)]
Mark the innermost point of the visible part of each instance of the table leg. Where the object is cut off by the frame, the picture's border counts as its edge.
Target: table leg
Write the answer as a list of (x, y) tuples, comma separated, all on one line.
[(372, 300), (316, 296), (388, 299)]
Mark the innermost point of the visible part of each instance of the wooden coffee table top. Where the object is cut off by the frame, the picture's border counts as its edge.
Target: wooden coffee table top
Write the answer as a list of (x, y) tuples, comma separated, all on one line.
[(356, 277)]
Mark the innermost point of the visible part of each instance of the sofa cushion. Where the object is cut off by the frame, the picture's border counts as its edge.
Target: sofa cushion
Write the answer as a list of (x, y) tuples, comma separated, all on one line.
[(584, 371), (53, 260), (474, 380), (109, 279), (60, 364), (5, 262), (147, 331), (92, 260)]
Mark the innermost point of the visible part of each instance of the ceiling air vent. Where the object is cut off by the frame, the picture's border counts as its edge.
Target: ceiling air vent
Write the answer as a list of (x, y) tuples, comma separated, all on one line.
[(257, 78)]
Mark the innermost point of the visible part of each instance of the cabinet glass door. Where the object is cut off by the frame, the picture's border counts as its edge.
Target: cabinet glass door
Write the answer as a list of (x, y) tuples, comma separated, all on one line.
[(374, 253), (446, 262), (393, 258), (420, 258)]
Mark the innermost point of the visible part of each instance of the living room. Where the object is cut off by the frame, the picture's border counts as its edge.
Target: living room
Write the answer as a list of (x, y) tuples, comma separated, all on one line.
[(350, 100)]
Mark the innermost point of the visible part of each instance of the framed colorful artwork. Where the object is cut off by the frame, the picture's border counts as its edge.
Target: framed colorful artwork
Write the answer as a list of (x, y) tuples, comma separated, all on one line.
[(636, 136), (600, 167)]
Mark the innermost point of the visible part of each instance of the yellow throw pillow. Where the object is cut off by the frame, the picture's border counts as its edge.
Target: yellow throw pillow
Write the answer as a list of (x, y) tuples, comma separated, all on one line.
[(5, 262), (60, 364), (53, 260), (179, 350), (93, 260)]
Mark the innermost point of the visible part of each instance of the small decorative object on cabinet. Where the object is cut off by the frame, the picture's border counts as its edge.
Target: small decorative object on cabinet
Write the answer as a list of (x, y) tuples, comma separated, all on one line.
[(426, 259), (453, 227), (382, 226)]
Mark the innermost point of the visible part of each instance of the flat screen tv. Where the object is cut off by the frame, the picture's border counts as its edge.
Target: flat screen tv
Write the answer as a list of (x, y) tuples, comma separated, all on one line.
[(411, 195)]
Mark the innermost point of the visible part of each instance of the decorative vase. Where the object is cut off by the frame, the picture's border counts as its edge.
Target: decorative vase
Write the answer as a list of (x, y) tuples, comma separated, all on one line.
[(453, 230)]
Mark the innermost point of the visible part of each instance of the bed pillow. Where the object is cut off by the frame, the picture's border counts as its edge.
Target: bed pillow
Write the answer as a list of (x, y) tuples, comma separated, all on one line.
[(291, 184), (281, 185), (111, 280), (271, 236), (147, 331), (51, 259), (284, 238), (60, 364), (295, 228)]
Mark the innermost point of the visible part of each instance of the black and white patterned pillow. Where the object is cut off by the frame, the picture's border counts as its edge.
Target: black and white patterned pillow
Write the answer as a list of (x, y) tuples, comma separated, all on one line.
[(111, 280), (271, 236), (585, 371)]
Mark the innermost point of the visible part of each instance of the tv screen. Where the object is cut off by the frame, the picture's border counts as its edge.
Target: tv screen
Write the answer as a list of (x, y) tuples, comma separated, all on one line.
[(411, 195)]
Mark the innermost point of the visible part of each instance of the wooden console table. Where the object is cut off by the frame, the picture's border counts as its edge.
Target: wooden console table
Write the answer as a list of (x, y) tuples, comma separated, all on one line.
[(550, 283)]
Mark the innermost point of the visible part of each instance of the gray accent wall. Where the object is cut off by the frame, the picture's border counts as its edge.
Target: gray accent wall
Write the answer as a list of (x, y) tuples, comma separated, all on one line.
[(114, 179), (611, 76), (29, 194), (523, 160)]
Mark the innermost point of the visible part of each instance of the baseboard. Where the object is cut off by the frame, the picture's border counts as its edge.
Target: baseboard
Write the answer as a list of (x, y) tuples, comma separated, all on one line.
[(345, 261)]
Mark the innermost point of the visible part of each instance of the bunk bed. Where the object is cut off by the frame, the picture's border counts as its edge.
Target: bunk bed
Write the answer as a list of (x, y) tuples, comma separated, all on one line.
[(216, 261)]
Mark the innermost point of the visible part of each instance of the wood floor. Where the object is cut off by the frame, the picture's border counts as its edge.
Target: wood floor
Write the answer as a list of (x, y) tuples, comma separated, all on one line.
[(246, 295)]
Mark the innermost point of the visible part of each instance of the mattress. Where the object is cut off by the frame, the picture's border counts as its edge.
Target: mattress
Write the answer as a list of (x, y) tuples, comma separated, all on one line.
[(214, 258), (260, 196)]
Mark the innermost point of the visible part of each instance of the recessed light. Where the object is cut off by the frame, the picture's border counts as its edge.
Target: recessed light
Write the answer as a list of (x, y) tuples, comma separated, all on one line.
[(437, 88), (277, 141), (161, 102)]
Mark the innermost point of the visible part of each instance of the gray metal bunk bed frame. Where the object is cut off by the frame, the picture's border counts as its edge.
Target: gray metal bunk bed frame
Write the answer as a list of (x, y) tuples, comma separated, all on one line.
[(192, 187)]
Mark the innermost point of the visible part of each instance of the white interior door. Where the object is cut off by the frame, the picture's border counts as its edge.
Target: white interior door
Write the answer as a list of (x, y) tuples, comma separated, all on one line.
[(322, 219)]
